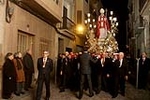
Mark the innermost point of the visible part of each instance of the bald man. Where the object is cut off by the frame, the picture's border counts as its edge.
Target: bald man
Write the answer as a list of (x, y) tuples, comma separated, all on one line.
[(121, 74)]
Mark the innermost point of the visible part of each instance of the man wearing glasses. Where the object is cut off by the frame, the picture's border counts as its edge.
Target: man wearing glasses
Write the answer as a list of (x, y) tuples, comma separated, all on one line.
[(44, 66)]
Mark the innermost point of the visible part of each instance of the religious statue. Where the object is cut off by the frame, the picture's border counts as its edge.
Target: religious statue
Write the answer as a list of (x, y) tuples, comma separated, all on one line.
[(102, 25)]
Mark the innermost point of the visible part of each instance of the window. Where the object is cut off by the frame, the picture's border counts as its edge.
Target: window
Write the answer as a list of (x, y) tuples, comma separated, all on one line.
[(44, 45), (57, 1), (24, 41), (86, 1), (79, 16)]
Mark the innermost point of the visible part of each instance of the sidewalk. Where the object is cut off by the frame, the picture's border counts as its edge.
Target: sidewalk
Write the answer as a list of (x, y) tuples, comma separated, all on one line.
[(131, 94)]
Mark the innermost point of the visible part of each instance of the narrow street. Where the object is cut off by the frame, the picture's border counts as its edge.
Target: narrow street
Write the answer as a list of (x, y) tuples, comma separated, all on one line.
[(131, 94)]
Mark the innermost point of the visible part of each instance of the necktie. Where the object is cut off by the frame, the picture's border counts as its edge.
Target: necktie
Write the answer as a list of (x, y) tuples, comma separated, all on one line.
[(143, 62), (103, 62), (120, 63), (44, 62)]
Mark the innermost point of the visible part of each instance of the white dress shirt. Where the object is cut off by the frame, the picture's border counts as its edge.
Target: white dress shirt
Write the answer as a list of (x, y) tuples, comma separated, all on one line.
[(121, 60)]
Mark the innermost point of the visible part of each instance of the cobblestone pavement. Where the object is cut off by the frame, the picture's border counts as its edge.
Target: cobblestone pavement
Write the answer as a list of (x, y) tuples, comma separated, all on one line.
[(131, 94)]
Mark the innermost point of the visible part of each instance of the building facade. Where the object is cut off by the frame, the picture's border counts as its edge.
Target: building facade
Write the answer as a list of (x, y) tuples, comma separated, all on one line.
[(40, 25), (139, 27), (145, 13)]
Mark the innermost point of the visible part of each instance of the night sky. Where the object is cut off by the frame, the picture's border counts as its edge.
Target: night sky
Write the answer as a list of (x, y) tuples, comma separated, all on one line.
[(121, 12)]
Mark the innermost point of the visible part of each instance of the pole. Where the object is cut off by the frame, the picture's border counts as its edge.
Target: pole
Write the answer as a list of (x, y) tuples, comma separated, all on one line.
[(137, 72)]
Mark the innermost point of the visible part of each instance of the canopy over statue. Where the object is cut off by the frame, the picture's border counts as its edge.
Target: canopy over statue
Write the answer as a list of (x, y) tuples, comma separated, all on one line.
[(102, 25)]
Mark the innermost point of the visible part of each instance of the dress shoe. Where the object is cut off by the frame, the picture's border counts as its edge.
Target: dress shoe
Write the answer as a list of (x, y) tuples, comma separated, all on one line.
[(62, 90), (114, 96), (91, 95), (46, 98), (123, 94), (26, 89), (79, 96), (22, 92), (97, 91), (11, 97), (30, 87), (17, 94)]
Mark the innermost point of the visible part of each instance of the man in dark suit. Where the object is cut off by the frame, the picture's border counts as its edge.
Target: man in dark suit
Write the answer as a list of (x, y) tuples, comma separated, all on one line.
[(144, 66), (28, 68), (104, 70), (85, 71), (120, 74), (44, 66)]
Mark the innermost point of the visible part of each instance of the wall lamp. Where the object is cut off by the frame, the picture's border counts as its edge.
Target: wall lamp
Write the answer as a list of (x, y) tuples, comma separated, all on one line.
[(9, 12), (1, 1)]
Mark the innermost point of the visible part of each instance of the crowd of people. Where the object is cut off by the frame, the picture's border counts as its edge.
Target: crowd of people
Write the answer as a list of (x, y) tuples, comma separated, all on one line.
[(75, 71), (17, 74), (94, 71)]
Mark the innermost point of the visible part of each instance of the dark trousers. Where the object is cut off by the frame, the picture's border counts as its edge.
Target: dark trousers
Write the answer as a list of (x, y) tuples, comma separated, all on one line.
[(115, 86), (40, 87), (64, 81), (28, 79), (122, 84), (99, 81), (142, 81), (82, 83), (104, 83)]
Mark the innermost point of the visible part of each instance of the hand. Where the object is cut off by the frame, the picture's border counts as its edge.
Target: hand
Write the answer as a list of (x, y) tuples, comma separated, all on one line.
[(108, 75), (9, 78), (61, 72), (126, 77), (129, 72), (98, 56)]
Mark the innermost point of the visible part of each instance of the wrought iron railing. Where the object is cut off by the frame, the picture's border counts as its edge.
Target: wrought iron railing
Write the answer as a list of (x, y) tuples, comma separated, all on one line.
[(68, 24), (142, 3)]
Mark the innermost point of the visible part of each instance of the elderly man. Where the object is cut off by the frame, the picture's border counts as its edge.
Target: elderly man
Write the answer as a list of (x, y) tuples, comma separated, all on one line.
[(144, 64), (121, 74), (28, 68), (44, 66)]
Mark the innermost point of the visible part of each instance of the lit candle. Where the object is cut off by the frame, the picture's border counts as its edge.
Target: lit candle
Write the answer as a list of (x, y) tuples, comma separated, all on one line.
[(117, 23), (94, 26), (114, 19), (110, 18), (85, 21), (88, 15), (93, 20), (89, 19), (111, 12), (90, 25)]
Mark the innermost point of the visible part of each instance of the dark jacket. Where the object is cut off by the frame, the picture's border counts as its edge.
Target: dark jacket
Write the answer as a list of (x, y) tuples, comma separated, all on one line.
[(9, 78), (48, 67), (85, 60), (123, 70), (28, 63), (106, 69)]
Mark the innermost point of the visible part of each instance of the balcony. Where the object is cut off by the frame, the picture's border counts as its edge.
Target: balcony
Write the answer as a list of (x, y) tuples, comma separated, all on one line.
[(47, 10), (67, 28), (68, 24), (142, 3), (144, 6)]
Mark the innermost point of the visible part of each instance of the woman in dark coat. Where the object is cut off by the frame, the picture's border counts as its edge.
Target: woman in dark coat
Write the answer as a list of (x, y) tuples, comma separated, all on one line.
[(9, 77)]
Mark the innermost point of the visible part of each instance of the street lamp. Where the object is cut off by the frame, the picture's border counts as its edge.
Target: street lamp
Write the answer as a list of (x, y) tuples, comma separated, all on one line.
[(80, 28)]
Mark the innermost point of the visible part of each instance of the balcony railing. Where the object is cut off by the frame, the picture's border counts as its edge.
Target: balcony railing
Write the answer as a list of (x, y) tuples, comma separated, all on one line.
[(141, 4), (68, 24)]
